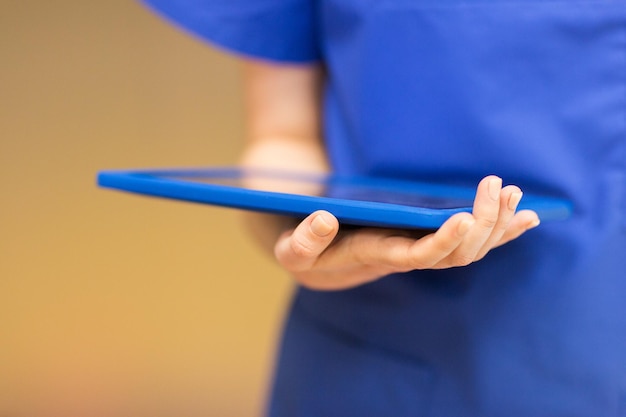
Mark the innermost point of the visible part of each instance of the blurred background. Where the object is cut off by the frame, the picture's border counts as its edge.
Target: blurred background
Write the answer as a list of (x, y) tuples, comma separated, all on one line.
[(113, 304)]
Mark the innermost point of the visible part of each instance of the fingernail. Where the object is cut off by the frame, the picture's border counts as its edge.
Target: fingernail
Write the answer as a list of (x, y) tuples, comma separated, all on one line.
[(514, 200), (320, 226), (465, 226), (494, 186), (533, 224)]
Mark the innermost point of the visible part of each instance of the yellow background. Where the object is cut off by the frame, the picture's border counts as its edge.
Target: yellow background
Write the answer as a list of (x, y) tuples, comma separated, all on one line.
[(113, 304)]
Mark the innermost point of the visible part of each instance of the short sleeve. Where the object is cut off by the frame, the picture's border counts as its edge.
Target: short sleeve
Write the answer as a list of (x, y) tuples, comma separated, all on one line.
[(276, 30)]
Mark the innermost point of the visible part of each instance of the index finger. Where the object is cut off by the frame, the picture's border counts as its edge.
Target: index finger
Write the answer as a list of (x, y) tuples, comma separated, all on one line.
[(402, 253)]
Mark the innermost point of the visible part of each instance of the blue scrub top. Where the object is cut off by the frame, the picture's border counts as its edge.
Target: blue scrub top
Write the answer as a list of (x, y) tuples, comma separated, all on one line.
[(453, 90)]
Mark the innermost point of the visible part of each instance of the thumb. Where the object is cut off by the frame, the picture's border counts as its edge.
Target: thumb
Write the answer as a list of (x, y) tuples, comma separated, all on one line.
[(298, 250)]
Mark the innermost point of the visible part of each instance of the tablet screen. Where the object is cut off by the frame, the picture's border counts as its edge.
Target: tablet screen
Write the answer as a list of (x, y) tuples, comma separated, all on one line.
[(368, 189)]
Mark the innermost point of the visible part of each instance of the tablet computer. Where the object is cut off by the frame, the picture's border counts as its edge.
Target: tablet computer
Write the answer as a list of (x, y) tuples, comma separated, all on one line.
[(358, 201)]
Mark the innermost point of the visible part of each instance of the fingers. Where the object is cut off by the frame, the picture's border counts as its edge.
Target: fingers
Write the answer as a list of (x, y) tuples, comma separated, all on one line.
[(299, 249), (486, 212), (435, 249), (510, 197), (522, 221), (495, 222), (402, 253)]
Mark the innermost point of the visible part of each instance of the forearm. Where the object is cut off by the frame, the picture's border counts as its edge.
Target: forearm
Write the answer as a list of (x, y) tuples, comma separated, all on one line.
[(283, 124)]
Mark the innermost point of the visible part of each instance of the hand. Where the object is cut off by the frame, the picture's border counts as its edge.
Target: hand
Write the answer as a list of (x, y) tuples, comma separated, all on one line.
[(321, 257)]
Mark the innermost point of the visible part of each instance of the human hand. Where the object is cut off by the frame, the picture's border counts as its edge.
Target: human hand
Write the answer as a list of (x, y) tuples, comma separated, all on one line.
[(319, 256)]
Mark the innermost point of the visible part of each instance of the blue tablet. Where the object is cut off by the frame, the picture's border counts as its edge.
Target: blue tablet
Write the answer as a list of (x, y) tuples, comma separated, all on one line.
[(359, 201)]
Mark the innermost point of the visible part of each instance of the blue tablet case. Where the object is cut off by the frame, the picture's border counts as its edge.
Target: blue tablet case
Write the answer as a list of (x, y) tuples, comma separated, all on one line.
[(360, 201)]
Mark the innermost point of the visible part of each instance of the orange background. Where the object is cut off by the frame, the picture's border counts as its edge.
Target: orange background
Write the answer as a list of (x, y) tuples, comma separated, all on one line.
[(113, 304)]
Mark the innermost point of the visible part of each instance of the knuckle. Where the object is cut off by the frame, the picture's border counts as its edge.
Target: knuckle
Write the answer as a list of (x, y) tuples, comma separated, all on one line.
[(302, 247), (462, 259), (501, 227), (421, 264), (487, 222), (284, 259)]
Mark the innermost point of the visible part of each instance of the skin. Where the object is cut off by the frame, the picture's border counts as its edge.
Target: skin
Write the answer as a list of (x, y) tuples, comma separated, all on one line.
[(283, 117)]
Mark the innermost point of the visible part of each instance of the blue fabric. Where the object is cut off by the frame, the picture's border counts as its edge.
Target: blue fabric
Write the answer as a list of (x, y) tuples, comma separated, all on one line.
[(453, 90), (279, 30)]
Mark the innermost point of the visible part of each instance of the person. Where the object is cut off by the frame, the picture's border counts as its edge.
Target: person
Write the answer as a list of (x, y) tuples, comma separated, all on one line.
[(483, 317)]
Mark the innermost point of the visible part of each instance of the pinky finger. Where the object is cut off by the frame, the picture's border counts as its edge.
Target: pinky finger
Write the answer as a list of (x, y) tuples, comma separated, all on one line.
[(522, 221)]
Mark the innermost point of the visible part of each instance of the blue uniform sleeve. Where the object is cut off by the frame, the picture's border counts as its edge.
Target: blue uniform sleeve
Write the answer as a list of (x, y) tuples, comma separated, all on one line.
[(276, 30)]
